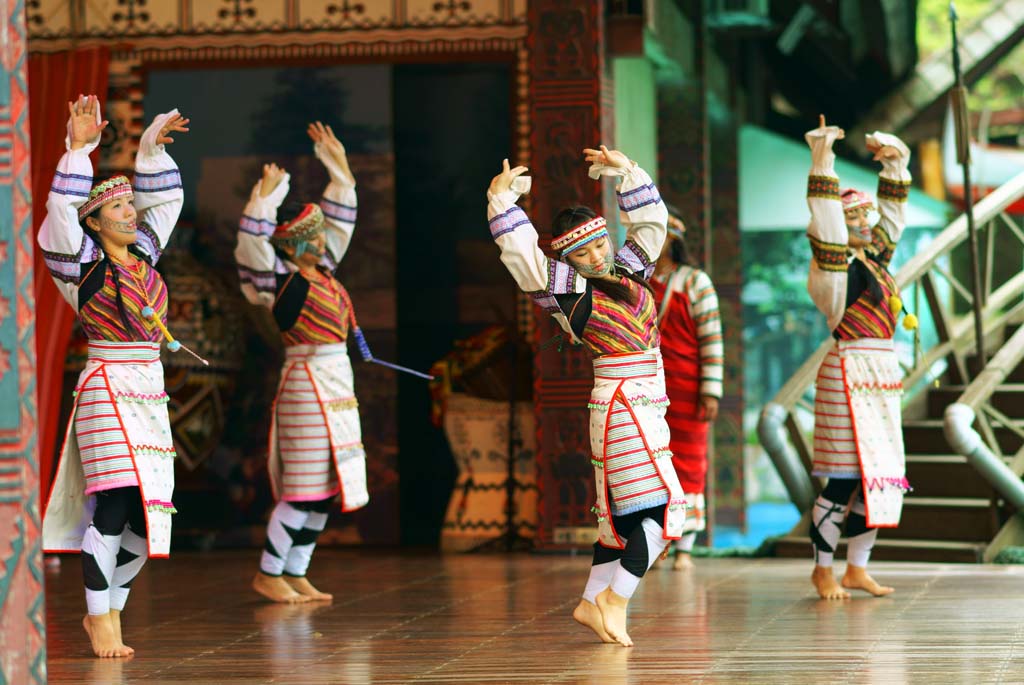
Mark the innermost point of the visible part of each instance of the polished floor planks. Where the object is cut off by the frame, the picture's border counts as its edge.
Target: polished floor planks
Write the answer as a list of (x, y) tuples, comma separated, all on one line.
[(506, 619)]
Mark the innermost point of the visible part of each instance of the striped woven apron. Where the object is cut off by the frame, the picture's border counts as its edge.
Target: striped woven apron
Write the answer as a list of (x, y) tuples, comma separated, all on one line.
[(629, 441), (316, 448), (119, 435), (858, 430)]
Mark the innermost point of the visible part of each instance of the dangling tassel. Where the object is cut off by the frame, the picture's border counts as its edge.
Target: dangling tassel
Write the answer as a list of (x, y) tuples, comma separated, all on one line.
[(364, 350), (172, 344), (364, 347)]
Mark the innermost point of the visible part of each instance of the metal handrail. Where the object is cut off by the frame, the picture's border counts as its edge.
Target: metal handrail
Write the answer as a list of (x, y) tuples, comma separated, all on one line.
[(775, 422), (958, 424)]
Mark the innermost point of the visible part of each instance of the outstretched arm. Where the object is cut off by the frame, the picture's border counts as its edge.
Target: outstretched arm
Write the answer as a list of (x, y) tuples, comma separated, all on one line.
[(893, 190), (827, 232), (536, 274), (706, 316), (64, 244), (646, 217), (339, 201), (158, 193), (255, 256)]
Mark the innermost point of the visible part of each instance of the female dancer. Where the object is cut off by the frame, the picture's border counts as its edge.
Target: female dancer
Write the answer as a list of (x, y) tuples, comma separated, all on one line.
[(858, 437), (691, 342), (602, 300), (286, 261), (111, 498)]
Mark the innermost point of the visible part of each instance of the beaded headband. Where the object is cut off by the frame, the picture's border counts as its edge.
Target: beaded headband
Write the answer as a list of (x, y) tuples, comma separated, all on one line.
[(302, 228), (853, 199), (102, 193), (577, 237), (676, 233)]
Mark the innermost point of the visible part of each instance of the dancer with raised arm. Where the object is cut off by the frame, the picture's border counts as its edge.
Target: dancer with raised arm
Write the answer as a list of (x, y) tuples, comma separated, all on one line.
[(858, 434), (602, 300), (111, 498), (286, 261), (691, 344)]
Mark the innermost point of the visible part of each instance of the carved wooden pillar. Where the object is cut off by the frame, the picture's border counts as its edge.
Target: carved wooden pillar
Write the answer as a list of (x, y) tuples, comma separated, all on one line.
[(566, 65), (698, 175), (22, 627)]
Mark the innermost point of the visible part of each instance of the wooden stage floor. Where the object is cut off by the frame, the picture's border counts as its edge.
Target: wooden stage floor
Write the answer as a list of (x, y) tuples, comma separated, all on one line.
[(506, 619)]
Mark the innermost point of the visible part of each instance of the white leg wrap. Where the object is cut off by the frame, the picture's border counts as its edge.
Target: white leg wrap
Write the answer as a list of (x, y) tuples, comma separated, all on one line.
[(302, 550), (600, 578), (285, 523)]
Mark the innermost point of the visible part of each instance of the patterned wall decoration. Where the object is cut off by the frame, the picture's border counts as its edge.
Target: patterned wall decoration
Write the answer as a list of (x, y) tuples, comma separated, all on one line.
[(566, 53), (67, 19), (22, 628)]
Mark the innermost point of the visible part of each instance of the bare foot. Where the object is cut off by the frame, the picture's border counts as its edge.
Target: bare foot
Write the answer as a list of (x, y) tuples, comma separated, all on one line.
[(275, 589), (682, 562), (115, 618), (826, 585), (587, 614), (101, 634), (306, 589), (857, 578), (613, 611)]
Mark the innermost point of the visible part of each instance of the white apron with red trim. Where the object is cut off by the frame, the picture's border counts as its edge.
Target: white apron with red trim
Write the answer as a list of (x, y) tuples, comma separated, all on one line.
[(119, 435), (858, 431), (629, 397), (316, 448)]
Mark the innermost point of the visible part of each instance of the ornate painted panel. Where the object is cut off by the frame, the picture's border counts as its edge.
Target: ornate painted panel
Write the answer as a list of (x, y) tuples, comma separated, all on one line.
[(22, 629), (55, 19)]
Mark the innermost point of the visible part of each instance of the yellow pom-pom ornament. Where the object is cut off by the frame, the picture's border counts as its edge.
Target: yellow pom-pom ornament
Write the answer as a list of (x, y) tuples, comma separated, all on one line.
[(895, 304), (909, 322)]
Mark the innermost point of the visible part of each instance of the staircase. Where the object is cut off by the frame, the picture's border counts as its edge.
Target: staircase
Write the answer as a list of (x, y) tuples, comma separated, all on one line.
[(957, 511)]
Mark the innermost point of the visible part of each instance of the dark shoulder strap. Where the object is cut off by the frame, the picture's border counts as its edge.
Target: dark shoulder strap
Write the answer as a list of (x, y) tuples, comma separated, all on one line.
[(292, 289), (93, 276)]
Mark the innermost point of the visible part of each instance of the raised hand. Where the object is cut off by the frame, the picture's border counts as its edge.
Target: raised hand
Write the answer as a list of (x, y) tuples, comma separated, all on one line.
[(503, 181), (612, 158), (324, 136), (178, 124), (882, 151), (84, 127), (272, 177)]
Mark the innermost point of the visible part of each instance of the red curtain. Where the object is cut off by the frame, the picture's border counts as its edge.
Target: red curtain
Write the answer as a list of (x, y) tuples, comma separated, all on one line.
[(53, 80)]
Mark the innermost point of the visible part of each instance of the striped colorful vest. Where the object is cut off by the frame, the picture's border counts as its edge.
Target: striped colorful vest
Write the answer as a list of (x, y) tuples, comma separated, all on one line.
[(866, 318), (99, 315), (615, 327), (324, 318)]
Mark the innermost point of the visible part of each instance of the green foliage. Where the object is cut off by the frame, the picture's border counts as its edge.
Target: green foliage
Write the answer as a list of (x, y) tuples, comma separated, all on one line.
[(1010, 555), (933, 22), (999, 89)]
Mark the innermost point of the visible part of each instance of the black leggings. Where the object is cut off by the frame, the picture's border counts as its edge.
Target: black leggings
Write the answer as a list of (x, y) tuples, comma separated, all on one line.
[(838, 491), (117, 507), (318, 506), (635, 557)]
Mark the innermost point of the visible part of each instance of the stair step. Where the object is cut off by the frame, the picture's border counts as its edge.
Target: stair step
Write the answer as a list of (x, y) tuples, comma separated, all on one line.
[(970, 519), (1008, 398), (945, 475), (925, 436), (893, 549)]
